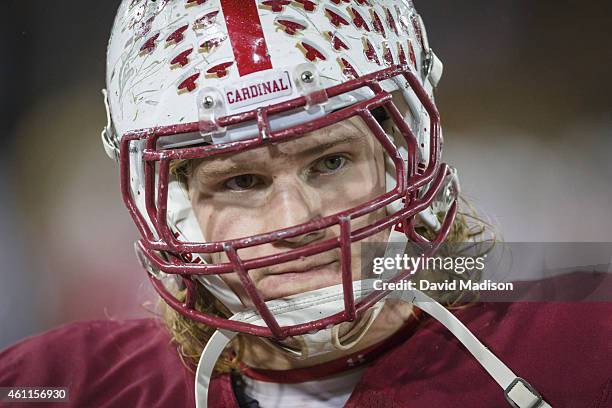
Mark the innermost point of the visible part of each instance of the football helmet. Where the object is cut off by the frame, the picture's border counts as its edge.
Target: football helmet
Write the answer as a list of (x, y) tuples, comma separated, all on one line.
[(202, 79), (196, 79)]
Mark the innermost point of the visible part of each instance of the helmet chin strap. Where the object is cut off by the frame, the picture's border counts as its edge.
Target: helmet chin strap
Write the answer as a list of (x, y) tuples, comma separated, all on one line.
[(329, 339)]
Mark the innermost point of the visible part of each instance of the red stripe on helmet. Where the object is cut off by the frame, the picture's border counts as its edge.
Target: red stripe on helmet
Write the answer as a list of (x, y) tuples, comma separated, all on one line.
[(246, 35)]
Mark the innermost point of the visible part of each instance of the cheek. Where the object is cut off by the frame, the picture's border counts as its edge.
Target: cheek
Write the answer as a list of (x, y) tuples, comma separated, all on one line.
[(376, 175), (220, 221), (363, 182), (372, 171), (374, 180)]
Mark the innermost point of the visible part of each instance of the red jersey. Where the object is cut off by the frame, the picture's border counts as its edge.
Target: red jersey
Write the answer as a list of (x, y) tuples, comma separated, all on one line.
[(563, 349)]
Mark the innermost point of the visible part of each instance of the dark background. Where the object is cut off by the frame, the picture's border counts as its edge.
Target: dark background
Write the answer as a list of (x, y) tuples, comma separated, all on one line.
[(525, 102)]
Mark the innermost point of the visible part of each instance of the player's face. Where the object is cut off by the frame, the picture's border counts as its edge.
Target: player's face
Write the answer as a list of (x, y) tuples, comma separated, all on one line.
[(282, 185)]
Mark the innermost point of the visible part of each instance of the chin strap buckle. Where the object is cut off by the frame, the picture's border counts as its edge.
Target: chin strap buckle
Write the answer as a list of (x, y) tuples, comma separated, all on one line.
[(520, 394)]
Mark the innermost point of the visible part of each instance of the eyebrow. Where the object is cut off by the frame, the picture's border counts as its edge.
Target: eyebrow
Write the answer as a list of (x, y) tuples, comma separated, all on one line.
[(223, 167), (343, 139)]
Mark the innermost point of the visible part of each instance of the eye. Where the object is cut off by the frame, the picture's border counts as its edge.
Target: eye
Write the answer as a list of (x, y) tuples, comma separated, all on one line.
[(243, 182), (329, 164)]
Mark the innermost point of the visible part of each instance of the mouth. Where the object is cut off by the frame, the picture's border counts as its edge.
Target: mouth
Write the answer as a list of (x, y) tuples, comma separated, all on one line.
[(290, 281), (303, 269)]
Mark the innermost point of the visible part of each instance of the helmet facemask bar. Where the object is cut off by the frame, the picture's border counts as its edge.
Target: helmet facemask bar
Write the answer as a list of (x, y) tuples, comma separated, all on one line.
[(158, 237)]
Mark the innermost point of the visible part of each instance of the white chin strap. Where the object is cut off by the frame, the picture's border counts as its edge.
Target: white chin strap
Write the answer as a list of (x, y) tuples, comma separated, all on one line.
[(315, 305), (518, 392)]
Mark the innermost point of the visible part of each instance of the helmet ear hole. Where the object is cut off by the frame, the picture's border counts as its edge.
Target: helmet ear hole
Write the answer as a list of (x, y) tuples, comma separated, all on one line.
[(381, 115)]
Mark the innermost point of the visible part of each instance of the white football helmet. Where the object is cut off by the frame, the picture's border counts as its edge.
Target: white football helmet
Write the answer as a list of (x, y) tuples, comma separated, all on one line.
[(191, 79)]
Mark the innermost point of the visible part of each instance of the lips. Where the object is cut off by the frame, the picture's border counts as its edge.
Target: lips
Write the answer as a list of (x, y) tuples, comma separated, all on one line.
[(292, 280), (296, 270)]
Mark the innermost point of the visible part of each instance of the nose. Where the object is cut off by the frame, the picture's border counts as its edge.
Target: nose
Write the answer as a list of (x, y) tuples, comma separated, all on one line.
[(294, 203)]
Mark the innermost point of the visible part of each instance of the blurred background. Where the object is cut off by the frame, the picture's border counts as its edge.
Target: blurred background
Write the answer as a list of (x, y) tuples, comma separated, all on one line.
[(526, 108)]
